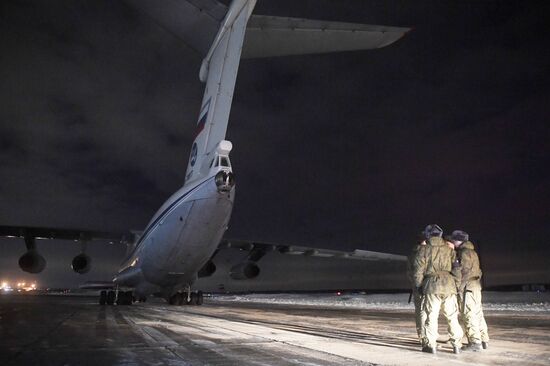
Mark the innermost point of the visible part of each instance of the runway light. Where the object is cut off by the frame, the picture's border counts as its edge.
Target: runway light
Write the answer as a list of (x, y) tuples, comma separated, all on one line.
[(4, 285)]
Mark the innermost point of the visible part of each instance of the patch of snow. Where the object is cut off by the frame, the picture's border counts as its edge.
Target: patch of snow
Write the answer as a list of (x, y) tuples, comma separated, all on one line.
[(495, 301)]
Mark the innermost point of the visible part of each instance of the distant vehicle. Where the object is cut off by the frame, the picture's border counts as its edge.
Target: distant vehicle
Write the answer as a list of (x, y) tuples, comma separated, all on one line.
[(182, 239)]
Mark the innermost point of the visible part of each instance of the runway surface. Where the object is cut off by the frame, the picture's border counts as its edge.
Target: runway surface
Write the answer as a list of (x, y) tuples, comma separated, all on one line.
[(55, 330)]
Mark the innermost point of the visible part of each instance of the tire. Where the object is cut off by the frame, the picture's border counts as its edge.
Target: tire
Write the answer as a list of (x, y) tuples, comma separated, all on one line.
[(173, 300), (200, 298), (120, 298), (187, 301), (194, 298), (180, 299), (110, 297), (103, 297), (128, 298)]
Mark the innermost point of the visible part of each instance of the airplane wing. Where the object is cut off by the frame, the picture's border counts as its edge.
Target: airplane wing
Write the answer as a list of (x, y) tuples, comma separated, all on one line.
[(243, 266), (29, 232), (257, 250), (196, 22), (33, 262)]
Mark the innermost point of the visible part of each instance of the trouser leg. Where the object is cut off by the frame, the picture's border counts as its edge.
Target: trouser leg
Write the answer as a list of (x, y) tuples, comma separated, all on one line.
[(472, 316), (450, 311), (420, 316), (484, 332), (431, 305)]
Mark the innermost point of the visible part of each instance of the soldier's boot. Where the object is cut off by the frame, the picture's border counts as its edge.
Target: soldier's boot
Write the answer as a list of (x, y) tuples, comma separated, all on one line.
[(485, 345), (472, 347), (456, 350), (429, 349)]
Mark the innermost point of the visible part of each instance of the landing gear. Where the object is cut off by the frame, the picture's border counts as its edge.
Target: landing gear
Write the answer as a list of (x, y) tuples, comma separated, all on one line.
[(124, 298), (191, 298), (103, 297), (173, 300), (111, 297), (177, 299)]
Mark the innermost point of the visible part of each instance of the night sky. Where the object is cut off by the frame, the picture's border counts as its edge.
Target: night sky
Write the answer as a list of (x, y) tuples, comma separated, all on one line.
[(449, 125)]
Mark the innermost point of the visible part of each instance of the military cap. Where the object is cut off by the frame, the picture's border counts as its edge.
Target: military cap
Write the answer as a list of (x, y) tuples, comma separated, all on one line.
[(459, 235), (433, 230)]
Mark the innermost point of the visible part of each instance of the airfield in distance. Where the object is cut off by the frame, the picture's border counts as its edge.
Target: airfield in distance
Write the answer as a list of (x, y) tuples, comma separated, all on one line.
[(291, 329)]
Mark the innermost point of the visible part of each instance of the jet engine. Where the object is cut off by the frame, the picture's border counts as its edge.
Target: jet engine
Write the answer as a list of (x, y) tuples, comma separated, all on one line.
[(244, 271), (81, 263), (207, 270), (32, 262)]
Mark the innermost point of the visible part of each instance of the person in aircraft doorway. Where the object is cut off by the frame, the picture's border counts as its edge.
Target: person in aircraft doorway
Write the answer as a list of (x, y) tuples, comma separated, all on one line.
[(469, 297), (437, 280), (419, 313)]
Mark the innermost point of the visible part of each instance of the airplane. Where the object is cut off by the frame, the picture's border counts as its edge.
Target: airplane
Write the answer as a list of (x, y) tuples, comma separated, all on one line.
[(184, 238)]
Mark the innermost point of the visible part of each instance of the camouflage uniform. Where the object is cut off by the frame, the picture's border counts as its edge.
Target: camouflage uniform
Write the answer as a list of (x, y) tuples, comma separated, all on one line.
[(433, 272), (470, 295), (419, 313)]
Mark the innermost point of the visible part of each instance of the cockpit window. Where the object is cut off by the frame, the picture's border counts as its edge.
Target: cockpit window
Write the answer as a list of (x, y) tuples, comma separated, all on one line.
[(225, 161)]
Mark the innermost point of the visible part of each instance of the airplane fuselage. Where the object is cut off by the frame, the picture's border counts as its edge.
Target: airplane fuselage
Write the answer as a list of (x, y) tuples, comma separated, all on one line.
[(180, 239)]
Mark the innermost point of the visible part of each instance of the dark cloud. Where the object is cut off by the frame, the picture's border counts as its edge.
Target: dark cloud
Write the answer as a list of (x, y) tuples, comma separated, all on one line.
[(354, 150)]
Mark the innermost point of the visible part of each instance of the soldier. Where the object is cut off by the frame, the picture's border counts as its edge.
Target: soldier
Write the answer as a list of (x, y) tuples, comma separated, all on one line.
[(470, 293), (435, 278), (419, 313)]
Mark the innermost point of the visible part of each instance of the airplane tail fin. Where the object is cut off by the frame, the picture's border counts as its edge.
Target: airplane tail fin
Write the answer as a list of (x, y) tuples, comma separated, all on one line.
[(219, 72), (219, 32)]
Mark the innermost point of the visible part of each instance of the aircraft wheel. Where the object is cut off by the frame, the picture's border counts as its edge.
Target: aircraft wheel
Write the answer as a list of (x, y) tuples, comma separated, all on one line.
[(173, 300), (110, 297), (181, 299), (200, 298), (186, 300), (121, 298), (103, 297), (194, 299), (128, 298)]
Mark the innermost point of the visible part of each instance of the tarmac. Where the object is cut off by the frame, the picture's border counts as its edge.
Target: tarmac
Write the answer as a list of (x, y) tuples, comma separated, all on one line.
[(76, 330)]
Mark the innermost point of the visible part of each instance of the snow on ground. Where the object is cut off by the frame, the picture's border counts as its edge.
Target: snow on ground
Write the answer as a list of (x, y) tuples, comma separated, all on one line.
[(497, 301)]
